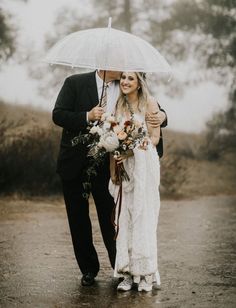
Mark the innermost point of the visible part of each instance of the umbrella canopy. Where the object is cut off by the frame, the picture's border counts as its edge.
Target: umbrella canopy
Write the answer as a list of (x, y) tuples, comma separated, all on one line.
[(107, 49)]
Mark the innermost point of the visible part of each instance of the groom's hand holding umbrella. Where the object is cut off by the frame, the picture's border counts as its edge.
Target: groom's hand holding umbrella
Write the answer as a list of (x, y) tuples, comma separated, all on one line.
[(95, 114)]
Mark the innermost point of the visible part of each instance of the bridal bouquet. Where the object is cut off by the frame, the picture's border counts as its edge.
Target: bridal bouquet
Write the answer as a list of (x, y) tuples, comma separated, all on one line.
[(111, 136)]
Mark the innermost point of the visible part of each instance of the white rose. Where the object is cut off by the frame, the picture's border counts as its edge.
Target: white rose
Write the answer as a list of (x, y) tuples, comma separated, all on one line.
[(111, 118), (106, 125), (96, 129), (109, 142), (99, 130), (93, 130), (117, 129), (104, 116)]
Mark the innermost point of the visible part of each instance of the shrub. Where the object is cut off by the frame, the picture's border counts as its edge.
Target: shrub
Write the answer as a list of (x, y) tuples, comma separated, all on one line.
[(28, 157), (173, 175)]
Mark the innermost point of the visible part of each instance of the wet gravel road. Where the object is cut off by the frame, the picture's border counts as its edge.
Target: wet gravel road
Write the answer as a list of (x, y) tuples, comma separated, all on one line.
[(197, 257)]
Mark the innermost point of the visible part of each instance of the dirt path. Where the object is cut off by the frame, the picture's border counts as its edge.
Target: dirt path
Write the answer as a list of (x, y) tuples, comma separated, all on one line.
[(197, 258)]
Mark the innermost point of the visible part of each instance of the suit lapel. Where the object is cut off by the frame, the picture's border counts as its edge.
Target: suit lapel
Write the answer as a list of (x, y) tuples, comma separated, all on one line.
[(92, 90)]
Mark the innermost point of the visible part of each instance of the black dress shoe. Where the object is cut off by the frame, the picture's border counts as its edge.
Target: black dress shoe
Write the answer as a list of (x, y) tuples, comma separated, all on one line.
[(88, 279)]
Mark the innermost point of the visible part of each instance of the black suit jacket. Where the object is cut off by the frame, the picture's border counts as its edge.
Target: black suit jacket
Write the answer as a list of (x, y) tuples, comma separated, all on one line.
[(77, 96)]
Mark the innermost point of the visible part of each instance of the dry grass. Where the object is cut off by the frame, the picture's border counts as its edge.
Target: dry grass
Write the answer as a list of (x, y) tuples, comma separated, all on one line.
[(195, 174)]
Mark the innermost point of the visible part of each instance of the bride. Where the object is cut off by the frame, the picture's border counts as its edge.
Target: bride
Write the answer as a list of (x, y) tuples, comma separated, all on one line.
[(136, 259)]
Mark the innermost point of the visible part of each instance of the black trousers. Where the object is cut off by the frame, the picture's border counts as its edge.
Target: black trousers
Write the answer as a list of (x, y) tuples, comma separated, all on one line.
[(79, 221)]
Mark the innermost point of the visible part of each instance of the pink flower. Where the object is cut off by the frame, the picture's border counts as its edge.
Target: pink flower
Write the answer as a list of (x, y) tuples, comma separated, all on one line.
[(128, 128), (137, 124), (117, 129), (121, 135)]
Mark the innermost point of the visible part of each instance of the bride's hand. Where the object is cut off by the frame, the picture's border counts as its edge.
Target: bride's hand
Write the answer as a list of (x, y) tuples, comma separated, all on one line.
[(121, 158), (144, 144)]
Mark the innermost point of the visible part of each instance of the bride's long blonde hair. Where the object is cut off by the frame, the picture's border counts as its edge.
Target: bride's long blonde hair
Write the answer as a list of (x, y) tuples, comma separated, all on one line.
[(143, 97)]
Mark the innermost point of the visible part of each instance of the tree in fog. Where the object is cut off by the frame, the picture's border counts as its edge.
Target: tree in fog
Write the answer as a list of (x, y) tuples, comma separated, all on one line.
[(205, 29), (7, 35), (7, 46)]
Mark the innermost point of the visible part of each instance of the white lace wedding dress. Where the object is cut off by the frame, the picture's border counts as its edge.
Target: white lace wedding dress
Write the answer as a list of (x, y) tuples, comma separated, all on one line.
[(137, 238)]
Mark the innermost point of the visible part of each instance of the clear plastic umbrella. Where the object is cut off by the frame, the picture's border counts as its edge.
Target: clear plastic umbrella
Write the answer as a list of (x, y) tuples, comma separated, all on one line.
[(107, 49)]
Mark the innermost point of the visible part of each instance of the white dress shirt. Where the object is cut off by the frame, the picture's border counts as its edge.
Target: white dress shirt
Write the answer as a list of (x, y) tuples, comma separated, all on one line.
[(113, 91)]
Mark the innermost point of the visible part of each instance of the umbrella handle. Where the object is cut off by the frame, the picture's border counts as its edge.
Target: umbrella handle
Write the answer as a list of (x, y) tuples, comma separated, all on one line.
[(109, 22), (103, 87)]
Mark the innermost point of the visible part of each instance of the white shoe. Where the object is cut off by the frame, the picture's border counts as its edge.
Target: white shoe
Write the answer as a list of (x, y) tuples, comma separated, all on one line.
[(156, 286), (156, 281), (145, 284), (126, 284)]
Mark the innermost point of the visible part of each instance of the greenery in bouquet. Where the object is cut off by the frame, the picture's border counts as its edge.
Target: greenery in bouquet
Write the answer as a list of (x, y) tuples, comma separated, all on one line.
[(113, 136)]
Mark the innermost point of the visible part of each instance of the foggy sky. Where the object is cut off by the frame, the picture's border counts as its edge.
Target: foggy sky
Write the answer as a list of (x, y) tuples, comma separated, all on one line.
[(35, 18)]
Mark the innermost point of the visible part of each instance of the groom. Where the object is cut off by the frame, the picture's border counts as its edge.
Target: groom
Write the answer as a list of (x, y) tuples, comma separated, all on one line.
[(76, 106)]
